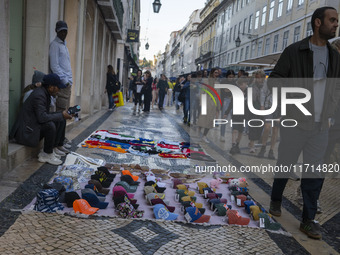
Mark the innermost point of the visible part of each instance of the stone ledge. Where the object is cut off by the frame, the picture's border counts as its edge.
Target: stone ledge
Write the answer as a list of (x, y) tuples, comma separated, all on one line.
[(17, 153)]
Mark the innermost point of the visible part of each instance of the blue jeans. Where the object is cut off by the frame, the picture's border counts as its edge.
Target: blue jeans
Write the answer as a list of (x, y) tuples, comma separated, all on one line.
[(176, 99), (313, 144), (186, 109), (111, 102)]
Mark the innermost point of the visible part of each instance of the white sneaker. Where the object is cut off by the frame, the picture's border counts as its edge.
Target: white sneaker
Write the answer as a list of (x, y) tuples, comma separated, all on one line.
[(49, 158), (67, 145), (42, 153), (59, 152), (205, 139), (63, 149)]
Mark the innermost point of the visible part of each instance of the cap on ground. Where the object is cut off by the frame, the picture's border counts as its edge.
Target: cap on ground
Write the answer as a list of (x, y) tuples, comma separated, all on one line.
[(161, 212), (82, 206)]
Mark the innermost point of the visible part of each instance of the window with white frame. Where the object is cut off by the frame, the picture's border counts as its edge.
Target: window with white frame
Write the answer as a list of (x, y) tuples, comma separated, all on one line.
[(239, 27), (232, 58), (238, 5), (243, 3), (247, 1), (259, 48), (280, 8), (228, 58), (235, 27), (241, 54), (231, 34), (285, 40), (250, 25), (309, 29), (257, 18), (253, 48), (236, 56), (266, 47), (300, 2), (297, 34), (264, 15), (246, 53), (289, 5), (244, 26), (275, 43), (271, 11)]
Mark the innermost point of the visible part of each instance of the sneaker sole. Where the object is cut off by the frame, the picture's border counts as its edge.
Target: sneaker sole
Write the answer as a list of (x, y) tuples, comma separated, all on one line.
[(309, 234), (274, 213)]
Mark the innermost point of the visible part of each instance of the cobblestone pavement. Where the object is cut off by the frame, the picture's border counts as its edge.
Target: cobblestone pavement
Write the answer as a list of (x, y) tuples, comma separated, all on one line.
[(44, 233), (37, 233)]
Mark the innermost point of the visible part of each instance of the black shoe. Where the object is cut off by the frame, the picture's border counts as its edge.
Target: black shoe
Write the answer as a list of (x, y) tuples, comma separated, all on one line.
[(275, 208), (234, 149), (188, 124), (262, 151), (184, 120), (271, 154), (311, 229)]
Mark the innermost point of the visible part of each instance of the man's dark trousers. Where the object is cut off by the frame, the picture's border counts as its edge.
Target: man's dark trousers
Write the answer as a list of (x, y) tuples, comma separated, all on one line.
[(313, 144), (53, 133)]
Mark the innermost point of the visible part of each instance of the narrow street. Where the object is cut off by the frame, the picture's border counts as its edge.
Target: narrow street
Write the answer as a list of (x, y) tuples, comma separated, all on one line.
[(30, 232)]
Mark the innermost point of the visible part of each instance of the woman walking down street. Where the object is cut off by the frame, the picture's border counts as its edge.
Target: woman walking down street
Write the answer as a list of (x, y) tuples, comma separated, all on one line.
[(111, 86), (137, 90), (177, 89), (131, 85), (154, 92), (226, 99), (171, 87), (206, 121), (147, 90), (186, 106), (162, 88)]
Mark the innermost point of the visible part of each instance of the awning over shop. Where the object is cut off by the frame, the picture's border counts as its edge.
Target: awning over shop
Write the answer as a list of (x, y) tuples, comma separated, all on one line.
[(264, 61)]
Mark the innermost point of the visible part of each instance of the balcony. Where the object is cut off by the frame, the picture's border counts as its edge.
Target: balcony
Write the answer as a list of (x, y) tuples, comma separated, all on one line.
[(113, 13)]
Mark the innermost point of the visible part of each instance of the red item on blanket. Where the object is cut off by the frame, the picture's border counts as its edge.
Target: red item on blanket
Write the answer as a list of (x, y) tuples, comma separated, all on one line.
[(169, 155), (168, 146)]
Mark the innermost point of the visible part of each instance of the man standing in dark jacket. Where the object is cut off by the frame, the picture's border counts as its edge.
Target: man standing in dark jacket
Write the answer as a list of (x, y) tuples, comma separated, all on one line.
[(35, 121), (314, 60)]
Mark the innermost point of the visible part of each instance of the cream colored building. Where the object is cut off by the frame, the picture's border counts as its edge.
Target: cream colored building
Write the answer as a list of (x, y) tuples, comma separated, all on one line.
[(263, 27), (207, 31), (96, 37)]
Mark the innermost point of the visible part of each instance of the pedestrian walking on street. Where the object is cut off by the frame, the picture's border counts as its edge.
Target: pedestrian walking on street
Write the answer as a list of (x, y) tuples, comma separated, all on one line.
[(312, 58), (131, 85), (147, 90), (154, 92), (162, 87), (177, 90), (137, 90), (226, 97), (186, 106), (205, 122), (112, 86), (60, 64)]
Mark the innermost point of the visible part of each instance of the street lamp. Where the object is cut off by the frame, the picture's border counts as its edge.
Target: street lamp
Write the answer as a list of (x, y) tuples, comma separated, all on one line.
[(238, 40), (156, 6), (147, 46)]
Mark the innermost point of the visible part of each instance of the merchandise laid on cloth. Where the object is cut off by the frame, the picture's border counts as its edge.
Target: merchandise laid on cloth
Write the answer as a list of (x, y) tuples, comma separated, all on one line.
[(137, 192), (103, 139)]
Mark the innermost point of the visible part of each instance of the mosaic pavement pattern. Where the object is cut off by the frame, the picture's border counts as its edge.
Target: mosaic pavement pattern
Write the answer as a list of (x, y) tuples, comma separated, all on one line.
[(44, 233)]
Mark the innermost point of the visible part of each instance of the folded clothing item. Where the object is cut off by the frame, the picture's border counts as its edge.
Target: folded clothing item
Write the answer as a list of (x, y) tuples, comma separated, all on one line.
[(235, 218), (94, 201), (160, 201), (106, 172), (127, 172)]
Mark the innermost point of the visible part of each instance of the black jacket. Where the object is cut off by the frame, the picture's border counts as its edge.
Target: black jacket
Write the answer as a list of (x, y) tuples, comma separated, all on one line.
[(296, 61), (112, 83), (34, 113)]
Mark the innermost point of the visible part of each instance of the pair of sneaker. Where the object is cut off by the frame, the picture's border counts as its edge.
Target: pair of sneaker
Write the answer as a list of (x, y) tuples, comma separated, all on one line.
[(61, 151), (50, 158)]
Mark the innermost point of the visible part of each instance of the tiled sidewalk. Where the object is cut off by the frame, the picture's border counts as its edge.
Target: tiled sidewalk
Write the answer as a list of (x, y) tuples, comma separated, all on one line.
[(44, 233)]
